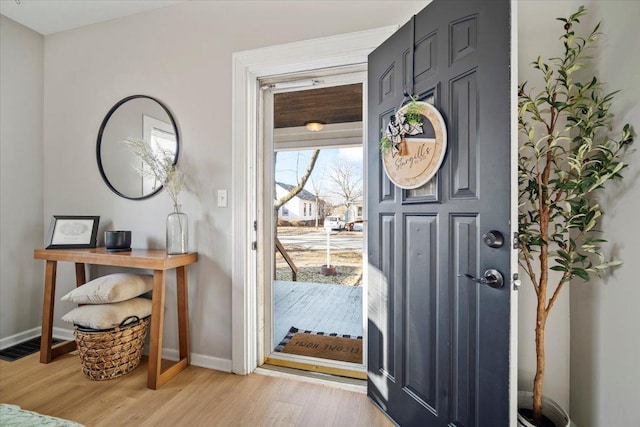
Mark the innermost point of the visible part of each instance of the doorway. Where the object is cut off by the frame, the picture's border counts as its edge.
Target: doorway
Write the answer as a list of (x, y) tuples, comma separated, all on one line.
[(248, 68), (311, 260)]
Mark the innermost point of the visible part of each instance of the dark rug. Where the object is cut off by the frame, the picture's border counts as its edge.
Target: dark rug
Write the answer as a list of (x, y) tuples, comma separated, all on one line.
[(23, 349), (347, 348)]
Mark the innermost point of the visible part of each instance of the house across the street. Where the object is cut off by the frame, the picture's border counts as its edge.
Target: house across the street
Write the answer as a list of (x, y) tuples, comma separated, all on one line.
[(303, 209)]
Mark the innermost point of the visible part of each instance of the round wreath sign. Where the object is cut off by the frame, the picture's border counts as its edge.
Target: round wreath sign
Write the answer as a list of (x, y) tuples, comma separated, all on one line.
[(414, 144)]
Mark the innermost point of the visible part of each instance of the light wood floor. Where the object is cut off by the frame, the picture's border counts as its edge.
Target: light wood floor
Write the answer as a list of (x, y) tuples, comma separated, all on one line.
[(195, 397)]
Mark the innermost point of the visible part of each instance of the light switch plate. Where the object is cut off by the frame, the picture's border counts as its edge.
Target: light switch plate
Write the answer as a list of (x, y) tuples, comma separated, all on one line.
[(222, 198)]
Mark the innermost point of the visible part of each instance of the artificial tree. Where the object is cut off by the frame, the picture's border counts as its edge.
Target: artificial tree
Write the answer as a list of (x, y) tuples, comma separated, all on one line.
[(567, 156)]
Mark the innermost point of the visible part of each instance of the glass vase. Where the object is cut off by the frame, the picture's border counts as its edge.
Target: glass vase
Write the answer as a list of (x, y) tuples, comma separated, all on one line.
[(177, 232)]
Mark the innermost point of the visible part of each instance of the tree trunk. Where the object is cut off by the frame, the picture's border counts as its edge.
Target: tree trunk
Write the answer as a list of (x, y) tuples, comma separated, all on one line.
[(538, 381)]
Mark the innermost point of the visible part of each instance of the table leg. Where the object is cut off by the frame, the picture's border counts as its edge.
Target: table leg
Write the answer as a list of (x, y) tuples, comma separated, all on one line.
[(155, 337), (81, 277), (183, 313), (47, 311)]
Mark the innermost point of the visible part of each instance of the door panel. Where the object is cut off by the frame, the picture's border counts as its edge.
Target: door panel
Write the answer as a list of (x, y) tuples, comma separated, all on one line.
[(387, 193), (464, 320), (463, 129), (426, 58), (439, 343), (386, 294), (464, 38), (420, 306)]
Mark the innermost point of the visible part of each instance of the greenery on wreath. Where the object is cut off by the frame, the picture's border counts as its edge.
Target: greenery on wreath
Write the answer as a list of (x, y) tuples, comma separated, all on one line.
[(413, 112), (385, 141), (570, 152), (410, 118)]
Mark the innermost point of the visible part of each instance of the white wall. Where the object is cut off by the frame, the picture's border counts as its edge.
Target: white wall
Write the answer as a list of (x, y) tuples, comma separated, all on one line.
[(605, 320), (21, 157), (182, 56)]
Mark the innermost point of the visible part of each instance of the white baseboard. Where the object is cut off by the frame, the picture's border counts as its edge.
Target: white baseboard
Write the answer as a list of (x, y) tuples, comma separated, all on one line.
[(59, 333), (211, 362), (19, 338), (200, 360), (63, 334)]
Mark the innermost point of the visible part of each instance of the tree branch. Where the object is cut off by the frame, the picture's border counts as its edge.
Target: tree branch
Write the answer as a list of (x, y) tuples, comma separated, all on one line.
[(303, 180), (556, 293), (529, 268)]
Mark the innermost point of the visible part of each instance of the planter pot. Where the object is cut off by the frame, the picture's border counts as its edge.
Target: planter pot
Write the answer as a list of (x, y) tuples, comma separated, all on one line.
[(550, 409), (328, 270)]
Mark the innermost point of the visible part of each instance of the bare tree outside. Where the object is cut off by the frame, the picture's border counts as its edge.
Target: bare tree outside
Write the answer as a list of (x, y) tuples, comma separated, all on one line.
[(347, 182), (317, 185), (330, 181)]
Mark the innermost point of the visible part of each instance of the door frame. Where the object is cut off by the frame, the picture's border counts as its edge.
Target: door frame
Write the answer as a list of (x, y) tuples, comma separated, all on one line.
[(513, 282), (247, 68), (317, 79)]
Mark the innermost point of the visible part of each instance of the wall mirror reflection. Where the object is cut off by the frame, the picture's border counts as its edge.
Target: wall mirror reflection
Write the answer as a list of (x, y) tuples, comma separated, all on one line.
[(134, 117)]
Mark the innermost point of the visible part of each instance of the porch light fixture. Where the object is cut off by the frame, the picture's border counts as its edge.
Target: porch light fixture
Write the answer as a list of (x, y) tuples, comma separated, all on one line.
[(314, 125)]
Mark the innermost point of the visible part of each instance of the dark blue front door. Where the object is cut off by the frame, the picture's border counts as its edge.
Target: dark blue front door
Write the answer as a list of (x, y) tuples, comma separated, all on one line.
[(438, 351)]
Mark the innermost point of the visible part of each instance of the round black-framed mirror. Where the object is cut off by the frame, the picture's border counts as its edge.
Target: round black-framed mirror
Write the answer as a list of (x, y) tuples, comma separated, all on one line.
[(137, 117)]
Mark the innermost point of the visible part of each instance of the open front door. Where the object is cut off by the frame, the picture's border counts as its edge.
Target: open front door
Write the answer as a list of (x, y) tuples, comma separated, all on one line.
[(438, 352)]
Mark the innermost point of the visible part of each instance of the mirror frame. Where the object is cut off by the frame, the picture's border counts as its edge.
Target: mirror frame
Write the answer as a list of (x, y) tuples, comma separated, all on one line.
[(99, 144)]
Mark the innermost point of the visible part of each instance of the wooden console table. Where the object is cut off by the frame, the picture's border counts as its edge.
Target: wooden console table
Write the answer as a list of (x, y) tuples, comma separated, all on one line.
[(156, 260)]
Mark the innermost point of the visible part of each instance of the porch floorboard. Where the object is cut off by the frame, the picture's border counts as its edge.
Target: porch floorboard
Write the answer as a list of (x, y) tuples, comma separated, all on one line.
[(317, 307)]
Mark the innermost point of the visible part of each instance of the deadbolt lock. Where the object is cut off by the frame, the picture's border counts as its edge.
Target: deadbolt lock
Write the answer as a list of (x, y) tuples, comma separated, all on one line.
[(493, 239)]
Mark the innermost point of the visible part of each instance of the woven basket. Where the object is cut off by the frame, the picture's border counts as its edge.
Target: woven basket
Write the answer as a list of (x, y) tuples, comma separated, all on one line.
[(110, 353)]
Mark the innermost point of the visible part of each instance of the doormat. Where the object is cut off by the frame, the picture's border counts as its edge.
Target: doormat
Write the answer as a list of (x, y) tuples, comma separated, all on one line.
[(346, 348), (23, 349)]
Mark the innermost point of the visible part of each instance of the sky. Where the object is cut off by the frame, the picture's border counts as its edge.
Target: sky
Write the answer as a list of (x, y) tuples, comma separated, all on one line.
[(290, 165)]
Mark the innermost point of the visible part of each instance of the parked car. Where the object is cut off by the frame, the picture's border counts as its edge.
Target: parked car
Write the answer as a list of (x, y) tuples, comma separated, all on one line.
[(333, 222), (358, 226)]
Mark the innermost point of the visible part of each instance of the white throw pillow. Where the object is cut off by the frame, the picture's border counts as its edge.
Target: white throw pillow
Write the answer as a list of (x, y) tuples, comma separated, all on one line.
[(111, 288), (107, 316)]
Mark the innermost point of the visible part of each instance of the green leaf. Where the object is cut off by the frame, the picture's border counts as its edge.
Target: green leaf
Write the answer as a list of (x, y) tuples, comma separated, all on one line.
[(581, 274), (607, 265)]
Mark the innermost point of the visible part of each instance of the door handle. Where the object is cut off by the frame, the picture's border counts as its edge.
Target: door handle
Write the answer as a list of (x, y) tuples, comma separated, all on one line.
[(490, 277)]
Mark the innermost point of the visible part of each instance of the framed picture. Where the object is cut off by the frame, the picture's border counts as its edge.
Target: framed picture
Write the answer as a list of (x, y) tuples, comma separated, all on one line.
[(70, 232)]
